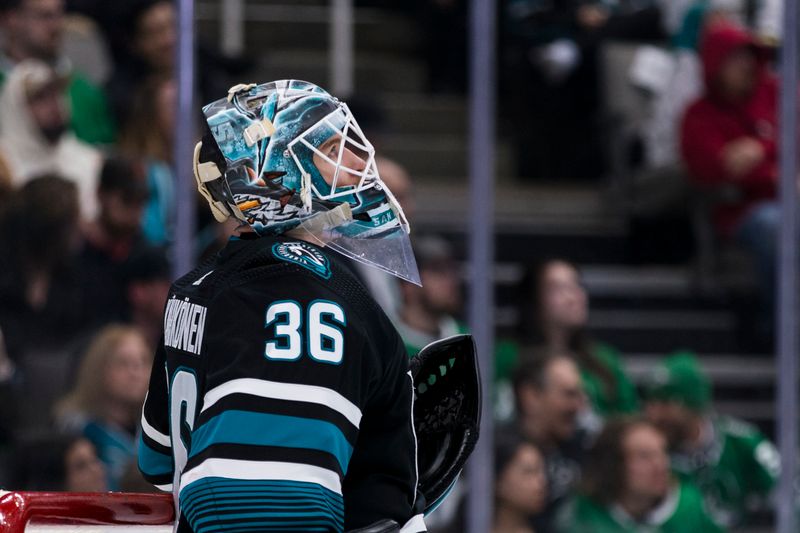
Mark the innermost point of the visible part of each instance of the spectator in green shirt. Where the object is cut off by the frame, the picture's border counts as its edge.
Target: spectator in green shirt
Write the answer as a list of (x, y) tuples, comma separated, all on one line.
[(627, 487), (732, 463), (33, 29), (555, 315)]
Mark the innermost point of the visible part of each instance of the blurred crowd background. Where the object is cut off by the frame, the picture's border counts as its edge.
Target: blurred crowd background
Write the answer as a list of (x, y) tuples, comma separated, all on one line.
[(636, 224)]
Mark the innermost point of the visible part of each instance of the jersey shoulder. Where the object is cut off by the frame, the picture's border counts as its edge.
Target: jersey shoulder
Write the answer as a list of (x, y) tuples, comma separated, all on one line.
[(249, 274)]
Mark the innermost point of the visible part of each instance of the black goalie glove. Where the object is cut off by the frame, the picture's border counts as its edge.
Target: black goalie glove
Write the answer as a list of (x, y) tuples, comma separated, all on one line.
[(447, 413)]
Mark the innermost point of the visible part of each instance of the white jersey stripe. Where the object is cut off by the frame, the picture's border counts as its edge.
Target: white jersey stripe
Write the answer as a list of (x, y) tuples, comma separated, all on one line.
[(414, 432), (152, 432), (285, 391), (262, 470)]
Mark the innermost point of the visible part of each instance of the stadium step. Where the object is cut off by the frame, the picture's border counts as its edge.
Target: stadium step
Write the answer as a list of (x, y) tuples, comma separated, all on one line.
[(414, 113), (272, 27), (521, 210), (374, 72), (631, 329), (442, 155)]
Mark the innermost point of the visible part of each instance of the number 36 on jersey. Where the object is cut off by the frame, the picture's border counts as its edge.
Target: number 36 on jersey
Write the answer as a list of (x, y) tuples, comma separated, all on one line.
[(315, 330)]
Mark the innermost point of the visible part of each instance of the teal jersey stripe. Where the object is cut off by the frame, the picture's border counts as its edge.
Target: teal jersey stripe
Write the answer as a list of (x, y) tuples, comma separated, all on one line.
[(263, 500), (153, 463), (276, 511), (261, 528), (277, 527), (294, 499), (263, 429), (217, 485), (205, 492), (239, 491), (298, 509), (216, 481), (220, 504), (268, 518)]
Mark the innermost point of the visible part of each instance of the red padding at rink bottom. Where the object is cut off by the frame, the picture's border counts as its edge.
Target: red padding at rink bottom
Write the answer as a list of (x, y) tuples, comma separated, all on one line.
[(85, 508)]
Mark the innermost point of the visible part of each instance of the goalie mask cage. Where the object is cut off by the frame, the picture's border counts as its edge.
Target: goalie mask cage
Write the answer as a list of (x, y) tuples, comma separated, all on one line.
[(62, 512)]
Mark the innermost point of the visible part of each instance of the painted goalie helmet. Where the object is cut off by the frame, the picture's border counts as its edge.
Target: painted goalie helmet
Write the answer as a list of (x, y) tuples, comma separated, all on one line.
[(286, 156)]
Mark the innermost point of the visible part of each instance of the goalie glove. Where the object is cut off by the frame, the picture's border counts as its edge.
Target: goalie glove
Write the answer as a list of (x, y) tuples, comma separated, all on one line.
[(447, 413)]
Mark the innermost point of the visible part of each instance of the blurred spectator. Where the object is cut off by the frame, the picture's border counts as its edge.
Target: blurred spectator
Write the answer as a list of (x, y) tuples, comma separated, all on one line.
[(41, 305), (148, 136), (627, 487), (57, 463), (105, 403), (428, 313), (34, 140), (85, 472), (555, 316), (143, 36), (675, 77), (675, 84), (552, 77), (147, 280), (731, 462), (113, 237), (729, 143), (549, 398), (33, 29), (399, 182), (520, 489), (150, 34)]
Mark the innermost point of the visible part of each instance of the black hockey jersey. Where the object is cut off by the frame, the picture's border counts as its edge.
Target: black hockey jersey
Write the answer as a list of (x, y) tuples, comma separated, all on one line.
[(280, 397)]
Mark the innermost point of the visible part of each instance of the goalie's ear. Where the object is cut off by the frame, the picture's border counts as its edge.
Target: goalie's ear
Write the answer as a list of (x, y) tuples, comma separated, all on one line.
[(447, 413)]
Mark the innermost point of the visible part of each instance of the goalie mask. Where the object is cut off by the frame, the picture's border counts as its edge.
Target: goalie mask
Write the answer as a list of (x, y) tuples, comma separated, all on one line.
[(286, 156)]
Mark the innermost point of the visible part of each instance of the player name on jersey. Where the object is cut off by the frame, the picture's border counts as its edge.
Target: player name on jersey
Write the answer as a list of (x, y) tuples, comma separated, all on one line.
[(184, 323)]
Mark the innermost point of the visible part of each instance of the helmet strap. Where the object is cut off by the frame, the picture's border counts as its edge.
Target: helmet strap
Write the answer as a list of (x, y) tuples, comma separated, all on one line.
[(204, 173)]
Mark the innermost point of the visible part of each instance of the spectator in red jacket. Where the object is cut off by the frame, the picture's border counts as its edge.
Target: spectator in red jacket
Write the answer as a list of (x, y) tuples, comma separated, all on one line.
[(729, 139)]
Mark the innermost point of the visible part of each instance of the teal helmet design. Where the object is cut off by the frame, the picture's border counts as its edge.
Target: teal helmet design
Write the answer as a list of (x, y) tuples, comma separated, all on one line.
[(286, 157)]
